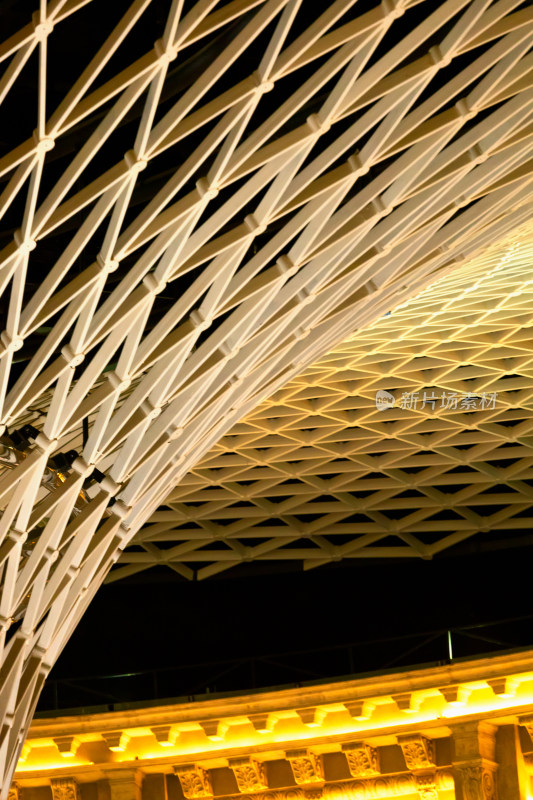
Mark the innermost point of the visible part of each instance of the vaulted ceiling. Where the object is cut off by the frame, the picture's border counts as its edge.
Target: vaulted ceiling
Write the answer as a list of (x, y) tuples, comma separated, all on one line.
[(199, 199), (319, 472)]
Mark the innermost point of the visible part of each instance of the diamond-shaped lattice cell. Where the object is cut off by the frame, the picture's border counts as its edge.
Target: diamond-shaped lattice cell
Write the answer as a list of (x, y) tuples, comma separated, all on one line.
[(332, 475)]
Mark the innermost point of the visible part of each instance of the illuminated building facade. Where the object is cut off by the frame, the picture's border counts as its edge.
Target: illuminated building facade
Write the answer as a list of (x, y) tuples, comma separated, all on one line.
[(461, 731), (199, 199)]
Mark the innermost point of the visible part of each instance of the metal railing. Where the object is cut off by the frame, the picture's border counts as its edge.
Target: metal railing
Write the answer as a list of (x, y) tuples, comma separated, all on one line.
[(287, 668)]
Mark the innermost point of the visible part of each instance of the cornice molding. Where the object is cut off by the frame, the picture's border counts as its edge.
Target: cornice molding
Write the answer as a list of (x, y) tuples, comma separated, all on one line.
[(293, 725)]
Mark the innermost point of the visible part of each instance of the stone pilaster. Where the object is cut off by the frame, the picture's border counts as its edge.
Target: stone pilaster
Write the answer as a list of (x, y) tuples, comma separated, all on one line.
[(512, 777), (124, 784), (527, 722), (474, 762)]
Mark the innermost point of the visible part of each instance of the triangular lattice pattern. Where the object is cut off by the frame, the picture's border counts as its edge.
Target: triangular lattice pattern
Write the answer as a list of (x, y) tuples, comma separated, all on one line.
[(317, 472), (188, 224)]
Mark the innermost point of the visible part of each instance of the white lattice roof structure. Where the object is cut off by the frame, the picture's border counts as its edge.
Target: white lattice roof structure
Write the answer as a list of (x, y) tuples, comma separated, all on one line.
[(187, 225), (317, 472)]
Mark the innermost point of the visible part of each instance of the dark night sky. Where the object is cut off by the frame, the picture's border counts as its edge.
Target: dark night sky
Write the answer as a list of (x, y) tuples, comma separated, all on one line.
[(157, 621)]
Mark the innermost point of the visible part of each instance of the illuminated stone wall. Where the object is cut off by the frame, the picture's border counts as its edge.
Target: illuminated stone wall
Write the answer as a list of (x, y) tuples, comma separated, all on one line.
[(457, 731)]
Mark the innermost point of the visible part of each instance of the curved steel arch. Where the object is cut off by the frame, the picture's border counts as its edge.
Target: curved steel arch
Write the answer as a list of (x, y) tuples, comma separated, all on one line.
[(188, 240)]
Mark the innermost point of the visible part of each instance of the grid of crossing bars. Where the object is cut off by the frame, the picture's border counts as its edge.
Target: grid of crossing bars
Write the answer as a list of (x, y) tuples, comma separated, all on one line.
[(283, 224), (317, 473)]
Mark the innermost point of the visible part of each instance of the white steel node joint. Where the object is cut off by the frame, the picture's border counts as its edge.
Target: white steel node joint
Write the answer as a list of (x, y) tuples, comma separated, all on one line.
[(380, 208), (24, 244), (134, 163), (41, 29), (119, 384), (286, 266), (107, 266), (253, 224), (109, 486), (151, 283), (120, 509), (43, 144), (262, 86), (73, 359), (477, 154), (164, 55), (317, 124), (439, 58), (150, 411), (11, 345), (392, 9), (174, 432), (45, 444), (464, 111), (357, 166), (200, 322), (82, 468), (206, 191)]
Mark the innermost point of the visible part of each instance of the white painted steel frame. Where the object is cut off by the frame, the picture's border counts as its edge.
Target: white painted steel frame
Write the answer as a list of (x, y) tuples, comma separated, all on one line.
[(329, 247), (318, 463)]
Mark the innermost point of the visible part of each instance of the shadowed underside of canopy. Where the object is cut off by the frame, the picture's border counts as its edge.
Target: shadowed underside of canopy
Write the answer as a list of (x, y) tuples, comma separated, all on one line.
[(198, 200), (319, 472)]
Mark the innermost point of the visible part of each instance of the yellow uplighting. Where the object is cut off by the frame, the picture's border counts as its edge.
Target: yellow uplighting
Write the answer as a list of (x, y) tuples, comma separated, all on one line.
[(379, 715)]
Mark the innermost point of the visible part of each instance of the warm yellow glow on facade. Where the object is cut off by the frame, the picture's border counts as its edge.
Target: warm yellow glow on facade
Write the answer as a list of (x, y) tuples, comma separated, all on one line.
[(378, 713), (399, 735)]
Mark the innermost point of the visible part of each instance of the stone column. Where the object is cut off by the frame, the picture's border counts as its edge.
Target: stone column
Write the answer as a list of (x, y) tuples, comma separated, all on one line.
[(513, 779), (474, 761)]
